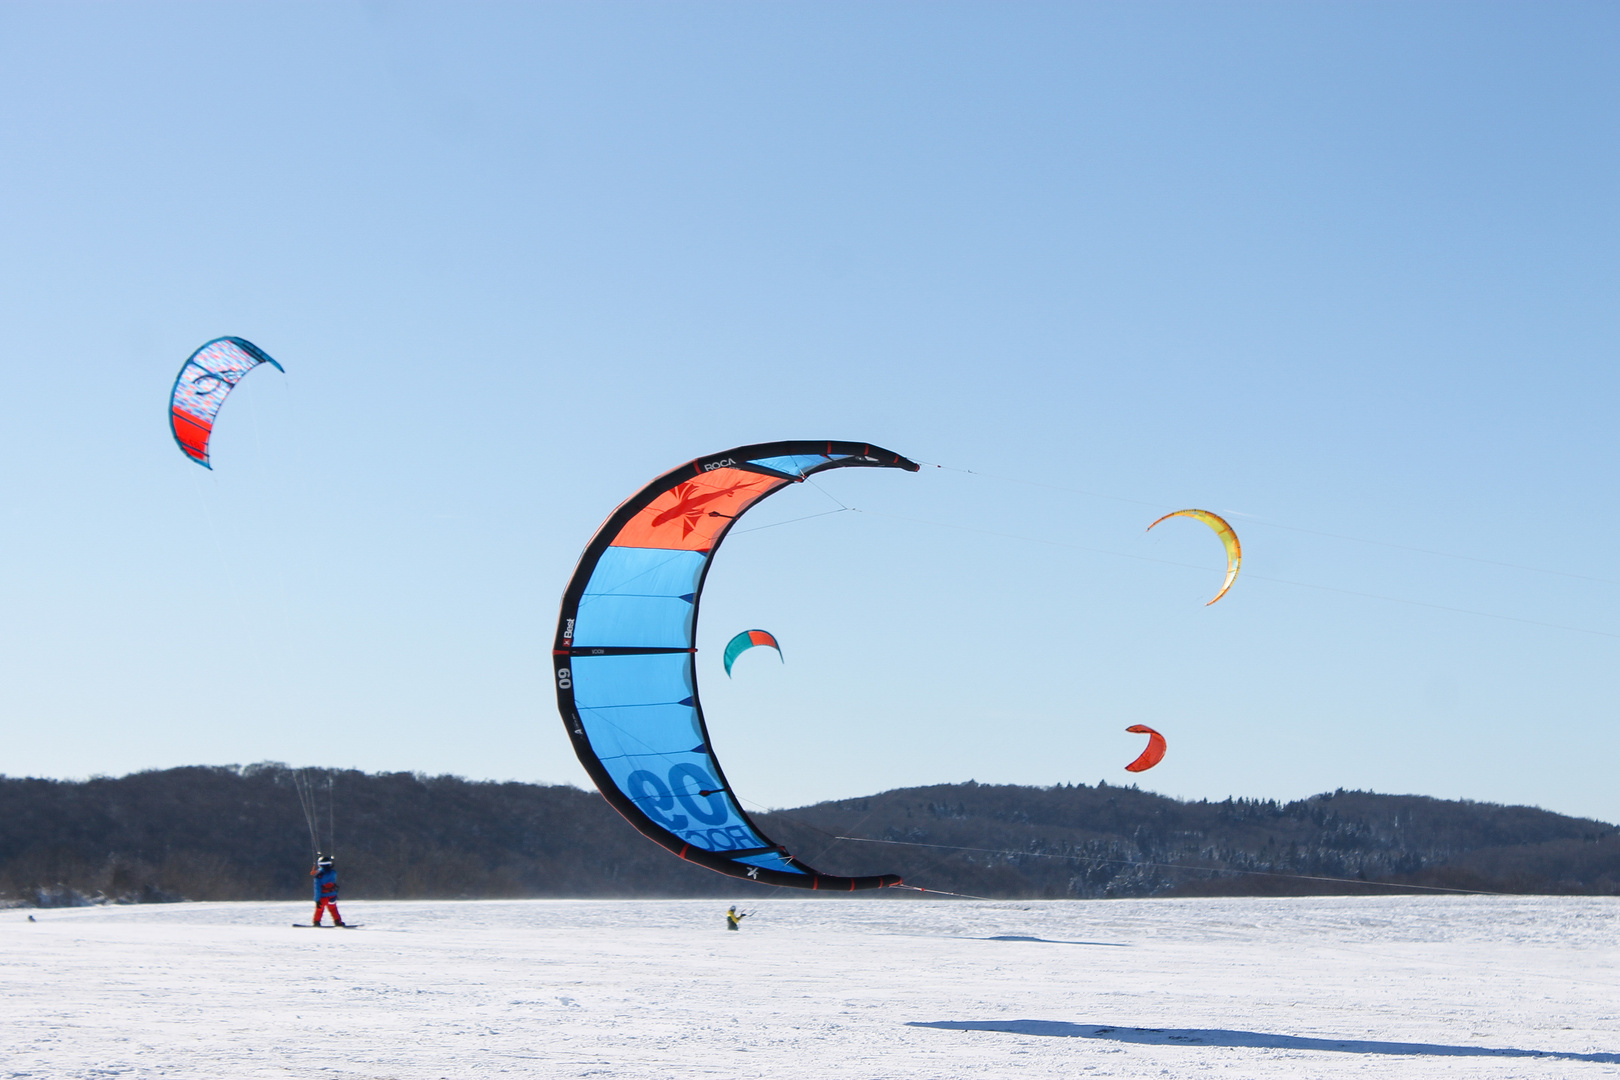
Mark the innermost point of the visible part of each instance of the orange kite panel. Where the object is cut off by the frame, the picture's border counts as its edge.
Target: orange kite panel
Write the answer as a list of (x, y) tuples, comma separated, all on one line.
[(689, 516)]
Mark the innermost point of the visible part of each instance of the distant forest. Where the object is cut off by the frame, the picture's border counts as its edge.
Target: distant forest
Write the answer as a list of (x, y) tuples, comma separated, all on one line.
[(240, 833)]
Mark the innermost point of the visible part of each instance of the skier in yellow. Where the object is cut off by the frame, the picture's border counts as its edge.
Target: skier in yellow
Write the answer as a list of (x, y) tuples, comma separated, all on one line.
[(733, 917)]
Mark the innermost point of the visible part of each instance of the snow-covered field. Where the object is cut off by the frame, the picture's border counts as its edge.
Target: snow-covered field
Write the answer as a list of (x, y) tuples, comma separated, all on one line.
[(820, 987)]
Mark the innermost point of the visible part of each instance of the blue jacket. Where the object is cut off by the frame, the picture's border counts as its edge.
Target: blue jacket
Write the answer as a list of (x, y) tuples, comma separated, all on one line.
[(325, 884)]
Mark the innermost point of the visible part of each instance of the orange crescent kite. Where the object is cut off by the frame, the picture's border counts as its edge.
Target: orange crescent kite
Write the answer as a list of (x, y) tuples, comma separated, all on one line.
[(1154, 752), (1234, 550)]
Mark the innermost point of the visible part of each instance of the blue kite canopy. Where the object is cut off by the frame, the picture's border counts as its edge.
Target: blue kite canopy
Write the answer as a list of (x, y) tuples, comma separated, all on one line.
[(625, 657)]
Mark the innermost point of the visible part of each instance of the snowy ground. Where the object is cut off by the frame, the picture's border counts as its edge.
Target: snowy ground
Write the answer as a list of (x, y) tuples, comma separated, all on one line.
[(823, 987)]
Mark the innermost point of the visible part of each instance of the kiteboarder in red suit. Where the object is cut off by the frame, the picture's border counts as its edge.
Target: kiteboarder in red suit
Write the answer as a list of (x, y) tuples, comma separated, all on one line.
[(326, 889)]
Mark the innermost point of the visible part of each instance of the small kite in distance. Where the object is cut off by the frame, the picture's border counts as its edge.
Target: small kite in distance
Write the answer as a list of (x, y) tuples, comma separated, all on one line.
[(205, 380), (1154, 752), (747, 640), (1234, 550)]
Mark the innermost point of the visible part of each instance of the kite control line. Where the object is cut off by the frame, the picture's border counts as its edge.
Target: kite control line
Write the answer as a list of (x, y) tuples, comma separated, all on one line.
[(1261, 577), (306, 802), (1169, 866), (309, 801), (941, 892)]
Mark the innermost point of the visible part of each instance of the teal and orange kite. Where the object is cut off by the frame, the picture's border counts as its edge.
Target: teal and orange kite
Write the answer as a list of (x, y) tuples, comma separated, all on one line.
[(747, 640)]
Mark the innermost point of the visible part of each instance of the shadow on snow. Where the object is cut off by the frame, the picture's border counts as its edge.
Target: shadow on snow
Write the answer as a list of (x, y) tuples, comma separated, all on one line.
[(1057, 941), (1256, 1039)]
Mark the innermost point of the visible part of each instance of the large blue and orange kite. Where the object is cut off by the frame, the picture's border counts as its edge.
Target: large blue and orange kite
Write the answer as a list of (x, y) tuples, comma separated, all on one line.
[(205, 380), (625, 657)]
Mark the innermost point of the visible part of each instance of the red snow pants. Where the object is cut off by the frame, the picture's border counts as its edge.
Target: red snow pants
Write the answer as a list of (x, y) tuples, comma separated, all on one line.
[(326, 905)]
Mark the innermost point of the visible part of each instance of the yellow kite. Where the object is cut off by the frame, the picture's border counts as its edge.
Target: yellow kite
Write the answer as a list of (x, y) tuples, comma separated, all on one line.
[(1234, 550)]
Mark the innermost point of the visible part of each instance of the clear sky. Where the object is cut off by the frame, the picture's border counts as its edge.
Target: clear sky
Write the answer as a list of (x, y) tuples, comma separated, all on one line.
[(1345, 272)]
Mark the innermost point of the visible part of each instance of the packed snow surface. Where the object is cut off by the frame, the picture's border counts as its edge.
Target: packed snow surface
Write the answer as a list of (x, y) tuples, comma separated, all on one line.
[(819, 987)]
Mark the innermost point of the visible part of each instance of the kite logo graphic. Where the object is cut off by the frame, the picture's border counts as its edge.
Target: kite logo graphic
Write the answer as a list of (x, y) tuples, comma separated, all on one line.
[(689, 500), (713, 465), (568, 631), (219, 380), (753, 872)]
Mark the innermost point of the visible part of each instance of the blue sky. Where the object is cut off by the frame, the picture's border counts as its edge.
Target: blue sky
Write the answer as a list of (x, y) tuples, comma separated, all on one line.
[(1345, 272)]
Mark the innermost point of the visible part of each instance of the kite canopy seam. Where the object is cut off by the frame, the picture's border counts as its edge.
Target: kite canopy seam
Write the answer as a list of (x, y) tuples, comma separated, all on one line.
[(625, 657)]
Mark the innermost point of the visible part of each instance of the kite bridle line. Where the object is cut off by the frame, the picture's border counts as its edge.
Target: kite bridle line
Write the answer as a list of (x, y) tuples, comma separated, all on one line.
[(792, 521), (940, 892), (799, 821)]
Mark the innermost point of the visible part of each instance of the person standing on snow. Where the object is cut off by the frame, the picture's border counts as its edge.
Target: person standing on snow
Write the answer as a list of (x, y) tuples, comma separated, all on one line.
[(326, 889), (733, 918)]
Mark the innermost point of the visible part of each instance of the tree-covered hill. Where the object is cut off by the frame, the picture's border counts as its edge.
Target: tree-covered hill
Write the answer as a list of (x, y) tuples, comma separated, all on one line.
[(1079, 841), (227, 832)]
